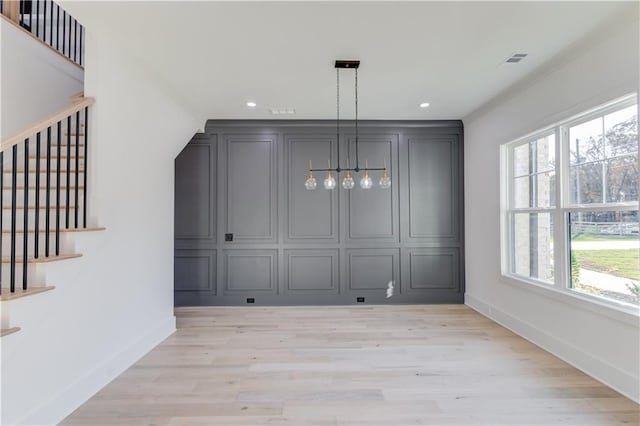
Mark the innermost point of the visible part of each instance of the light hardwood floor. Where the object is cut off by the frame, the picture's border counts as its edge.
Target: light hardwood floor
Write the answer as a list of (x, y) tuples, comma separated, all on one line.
[(364, 365)]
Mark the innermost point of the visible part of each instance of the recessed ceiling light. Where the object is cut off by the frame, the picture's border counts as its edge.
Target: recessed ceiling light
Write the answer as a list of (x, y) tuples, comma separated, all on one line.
[(251, 104), (424, 104)]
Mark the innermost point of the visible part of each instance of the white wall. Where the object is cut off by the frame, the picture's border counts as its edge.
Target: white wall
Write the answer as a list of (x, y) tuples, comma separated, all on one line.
[(36, 81), (600, 342), (115, 303)]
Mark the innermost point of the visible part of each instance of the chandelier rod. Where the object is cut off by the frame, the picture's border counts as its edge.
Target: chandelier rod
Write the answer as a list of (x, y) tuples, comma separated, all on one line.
[(337, 118), (347, 182), (357, 159), (349, 148), (338, 169)]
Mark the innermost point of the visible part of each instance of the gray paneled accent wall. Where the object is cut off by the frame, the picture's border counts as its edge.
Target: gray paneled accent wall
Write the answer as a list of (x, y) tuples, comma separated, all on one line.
[(246, 227)]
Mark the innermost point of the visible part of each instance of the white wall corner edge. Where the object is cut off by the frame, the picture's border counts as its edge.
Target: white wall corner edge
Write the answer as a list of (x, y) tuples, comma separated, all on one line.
[(599, 369), (61, 405)]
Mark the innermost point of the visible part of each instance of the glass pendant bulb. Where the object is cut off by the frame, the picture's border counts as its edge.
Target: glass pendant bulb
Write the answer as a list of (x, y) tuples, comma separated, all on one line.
[(329, 181), (347, 181), (310, 183), (366, 182), (385, 180)]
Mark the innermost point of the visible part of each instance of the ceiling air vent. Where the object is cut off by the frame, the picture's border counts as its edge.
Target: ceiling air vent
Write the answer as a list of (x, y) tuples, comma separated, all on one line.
[(282, 111), (515, 58)]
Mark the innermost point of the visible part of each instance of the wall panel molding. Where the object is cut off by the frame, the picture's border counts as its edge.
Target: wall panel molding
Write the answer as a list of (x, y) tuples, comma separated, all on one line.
[(311, 270), (433, 186), (431, 269), (195, 270), (196, 192), (250, 270), (373, 215), (372, 269), (291, 246), (251, 190), (310, 216)]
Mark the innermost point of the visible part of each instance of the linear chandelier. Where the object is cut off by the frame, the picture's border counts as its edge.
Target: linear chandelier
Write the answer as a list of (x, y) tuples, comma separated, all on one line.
[(347, 182)]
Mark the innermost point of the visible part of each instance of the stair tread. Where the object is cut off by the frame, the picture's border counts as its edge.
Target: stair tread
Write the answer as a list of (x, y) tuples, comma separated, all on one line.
[(43, 259), (62, 230), (19, 293), (7, 331)]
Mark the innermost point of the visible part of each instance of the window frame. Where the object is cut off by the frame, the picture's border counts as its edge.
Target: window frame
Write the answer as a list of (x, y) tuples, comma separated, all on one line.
[(510, 211), (561, 286)]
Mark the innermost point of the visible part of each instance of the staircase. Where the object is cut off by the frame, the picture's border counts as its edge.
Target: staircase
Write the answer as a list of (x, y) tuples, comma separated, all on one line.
[(44, 177), (43, 172)]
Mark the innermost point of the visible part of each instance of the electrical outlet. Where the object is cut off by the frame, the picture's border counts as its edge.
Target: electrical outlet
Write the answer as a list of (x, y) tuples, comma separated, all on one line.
[(251, 300), (228, 237), (360, 299)]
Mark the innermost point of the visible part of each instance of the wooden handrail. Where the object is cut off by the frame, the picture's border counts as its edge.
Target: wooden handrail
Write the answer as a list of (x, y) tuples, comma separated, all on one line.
[(77, 97), (12, 10), (44, 124)]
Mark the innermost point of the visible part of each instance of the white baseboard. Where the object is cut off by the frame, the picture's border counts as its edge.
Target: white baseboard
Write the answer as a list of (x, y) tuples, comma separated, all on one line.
[(599, 369), (65, 402)]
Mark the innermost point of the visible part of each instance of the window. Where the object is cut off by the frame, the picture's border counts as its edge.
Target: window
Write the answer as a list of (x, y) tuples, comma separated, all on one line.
[(570, 205), (533, 199)]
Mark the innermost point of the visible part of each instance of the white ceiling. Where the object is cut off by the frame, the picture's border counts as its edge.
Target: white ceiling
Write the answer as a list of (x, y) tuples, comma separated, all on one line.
[(219, 55)]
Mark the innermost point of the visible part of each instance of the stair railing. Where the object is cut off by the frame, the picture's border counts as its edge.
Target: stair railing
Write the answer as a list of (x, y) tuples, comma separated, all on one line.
[(50, 150), (50, 23)]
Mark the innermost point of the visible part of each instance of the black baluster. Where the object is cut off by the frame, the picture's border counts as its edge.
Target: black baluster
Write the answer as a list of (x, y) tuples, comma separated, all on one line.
[(47, 225), (44, 19), (57, 29), (64, 31), (37, 17), (69, 47), (68, 169), (50, 22), (58, 153), (30, 15), (14, 199), (36, 222), (76, 204), (80, 53), (25, 227), (75, 40), (86, 164)]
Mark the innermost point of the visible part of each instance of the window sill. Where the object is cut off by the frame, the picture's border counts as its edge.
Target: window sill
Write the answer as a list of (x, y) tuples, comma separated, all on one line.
[(619, 312)]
